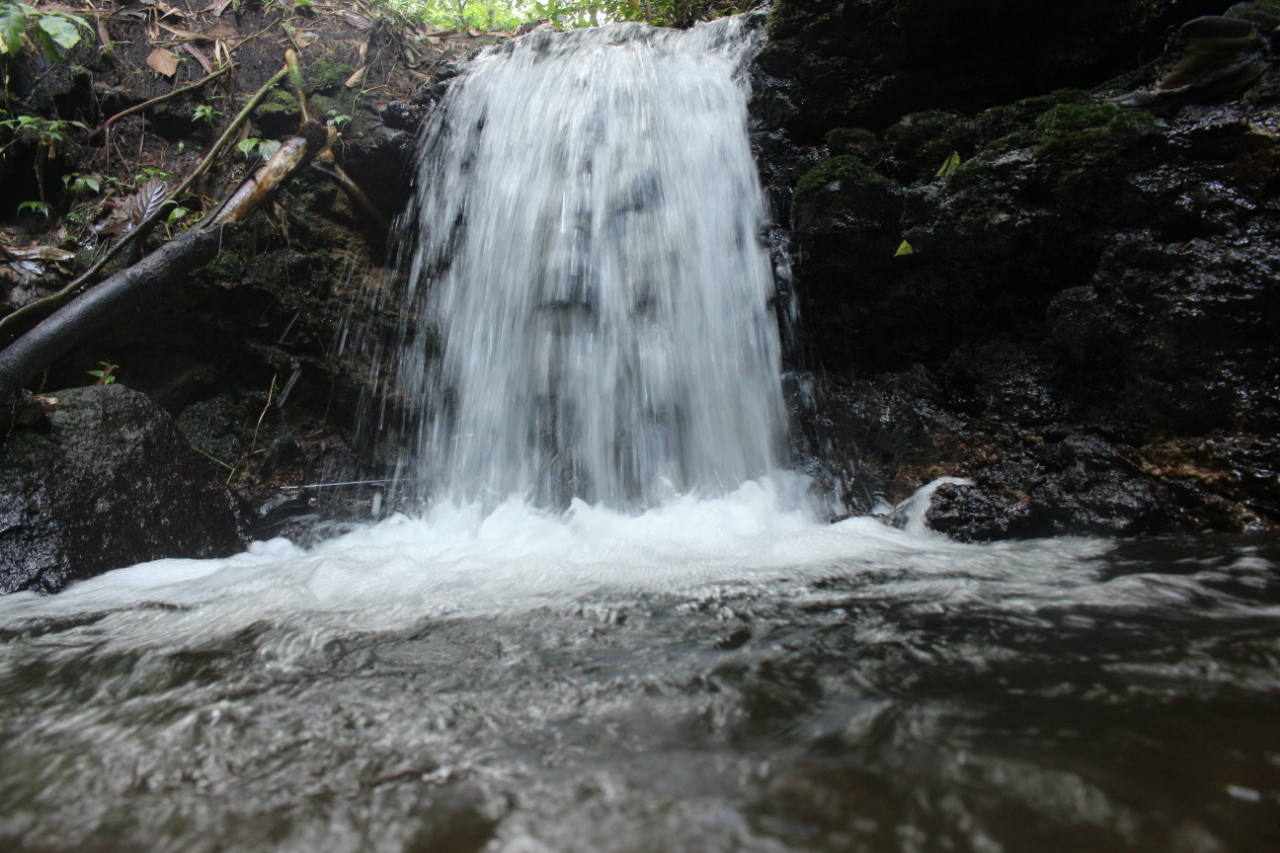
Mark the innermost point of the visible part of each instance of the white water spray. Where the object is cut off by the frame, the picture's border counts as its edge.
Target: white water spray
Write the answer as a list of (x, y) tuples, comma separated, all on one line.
[(588, 309)]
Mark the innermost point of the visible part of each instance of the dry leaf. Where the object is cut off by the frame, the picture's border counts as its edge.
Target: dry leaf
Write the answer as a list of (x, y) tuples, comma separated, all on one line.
[(43, 253), (163, 61), (355, 79), (128, 214), (358, 21), (186, 35), (223, 30), (146, 201), (217, 7), (200, 57)]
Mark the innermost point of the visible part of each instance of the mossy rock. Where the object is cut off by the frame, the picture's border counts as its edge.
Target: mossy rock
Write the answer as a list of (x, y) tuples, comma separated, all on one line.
[(922, 142), (1019, 118), (837, 173), (1079, 146), (324, 77)]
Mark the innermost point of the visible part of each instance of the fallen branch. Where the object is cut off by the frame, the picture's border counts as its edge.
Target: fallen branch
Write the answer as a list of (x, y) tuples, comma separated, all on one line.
[(142, 106), (144, 281), (353, 191), (11, 325)]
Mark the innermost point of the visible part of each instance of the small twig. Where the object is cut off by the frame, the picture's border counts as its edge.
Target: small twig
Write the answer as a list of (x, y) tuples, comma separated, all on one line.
[(212, 458), (270, 393), (142, 106)]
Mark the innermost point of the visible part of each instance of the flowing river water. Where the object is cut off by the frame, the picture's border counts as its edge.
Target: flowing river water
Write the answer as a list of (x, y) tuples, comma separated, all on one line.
[(612, 623)]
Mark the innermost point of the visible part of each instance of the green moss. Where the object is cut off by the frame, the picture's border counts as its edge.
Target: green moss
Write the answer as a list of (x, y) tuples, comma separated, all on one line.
[(840, 171), (326, 77), (1079, 145), (279, 103), (1020, 117)]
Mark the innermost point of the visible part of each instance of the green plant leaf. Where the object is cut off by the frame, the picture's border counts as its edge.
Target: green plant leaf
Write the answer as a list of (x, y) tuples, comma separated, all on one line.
[(952, 163), (247, 146), (13, 24), (34, 206), (904, 249), (60, 30), (268, 148)]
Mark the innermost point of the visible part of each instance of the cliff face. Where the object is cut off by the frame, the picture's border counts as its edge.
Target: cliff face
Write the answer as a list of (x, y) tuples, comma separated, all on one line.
[(1086, 323)]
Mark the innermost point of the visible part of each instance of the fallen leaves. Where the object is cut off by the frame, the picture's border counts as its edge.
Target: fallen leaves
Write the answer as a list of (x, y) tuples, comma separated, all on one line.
[(128, 213), (163, 61)]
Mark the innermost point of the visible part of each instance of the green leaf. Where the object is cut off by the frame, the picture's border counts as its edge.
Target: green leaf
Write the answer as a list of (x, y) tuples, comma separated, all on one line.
[(34, 206), (60, 30), (268, 148), (247, 146), (178, 214), (904, 249), (47, 44), (13, 24), (952, 163)]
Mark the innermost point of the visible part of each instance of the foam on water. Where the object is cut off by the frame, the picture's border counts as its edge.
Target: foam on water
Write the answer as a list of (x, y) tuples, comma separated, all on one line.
[(468, 560)]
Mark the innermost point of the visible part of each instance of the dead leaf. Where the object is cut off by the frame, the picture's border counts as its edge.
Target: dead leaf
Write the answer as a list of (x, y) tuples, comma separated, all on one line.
[(127, 214), (355, 79), (163, 61), (146, 201), (104, 38), (200, 57), (43, 253), (223, 30), (186, 35), (357, 21), (217, 7)]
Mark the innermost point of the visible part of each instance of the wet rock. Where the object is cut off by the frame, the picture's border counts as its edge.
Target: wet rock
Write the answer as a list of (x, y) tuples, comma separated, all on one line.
[(1087, 319), (108, 483)]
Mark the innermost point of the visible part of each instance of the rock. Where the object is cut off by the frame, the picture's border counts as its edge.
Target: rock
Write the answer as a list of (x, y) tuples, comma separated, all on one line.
[(1086, 328), (109, 483)]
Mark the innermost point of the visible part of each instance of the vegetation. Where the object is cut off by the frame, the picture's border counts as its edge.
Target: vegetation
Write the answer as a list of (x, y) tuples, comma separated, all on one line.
[(507, 15), (52, 30)]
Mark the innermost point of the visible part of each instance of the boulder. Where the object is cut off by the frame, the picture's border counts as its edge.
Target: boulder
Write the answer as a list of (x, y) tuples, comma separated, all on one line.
[(110, 481)]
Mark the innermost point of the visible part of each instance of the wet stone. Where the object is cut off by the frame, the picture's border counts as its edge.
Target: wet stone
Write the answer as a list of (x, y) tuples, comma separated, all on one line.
[(110, 481)]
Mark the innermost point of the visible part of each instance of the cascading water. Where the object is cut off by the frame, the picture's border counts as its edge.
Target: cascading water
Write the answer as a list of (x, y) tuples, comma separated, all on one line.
[(710, 674), (588, 313)]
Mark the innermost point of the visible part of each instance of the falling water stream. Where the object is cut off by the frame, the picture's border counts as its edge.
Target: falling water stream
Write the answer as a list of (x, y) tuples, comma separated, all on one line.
[(612, 625)]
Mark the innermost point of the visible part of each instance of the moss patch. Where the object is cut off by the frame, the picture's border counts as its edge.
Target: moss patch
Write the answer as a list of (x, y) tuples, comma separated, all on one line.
[(1080, 145), (841, 171), (324, 77)]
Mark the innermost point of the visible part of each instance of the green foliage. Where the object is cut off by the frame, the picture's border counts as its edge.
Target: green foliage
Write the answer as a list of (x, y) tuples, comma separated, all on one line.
[(40, 207), (264, 148), (204, 113), (53, 31), (36, 130), (507, 15), (950, 165), (104, 375), (150, 173), (77, 184)]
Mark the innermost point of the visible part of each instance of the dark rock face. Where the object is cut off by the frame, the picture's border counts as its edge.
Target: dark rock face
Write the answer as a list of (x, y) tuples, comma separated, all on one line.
[(108, 483), (866, 62), (1085, 324)]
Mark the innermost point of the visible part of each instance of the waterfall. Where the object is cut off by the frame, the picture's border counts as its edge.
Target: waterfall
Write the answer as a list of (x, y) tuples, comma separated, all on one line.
[(588, 312)]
